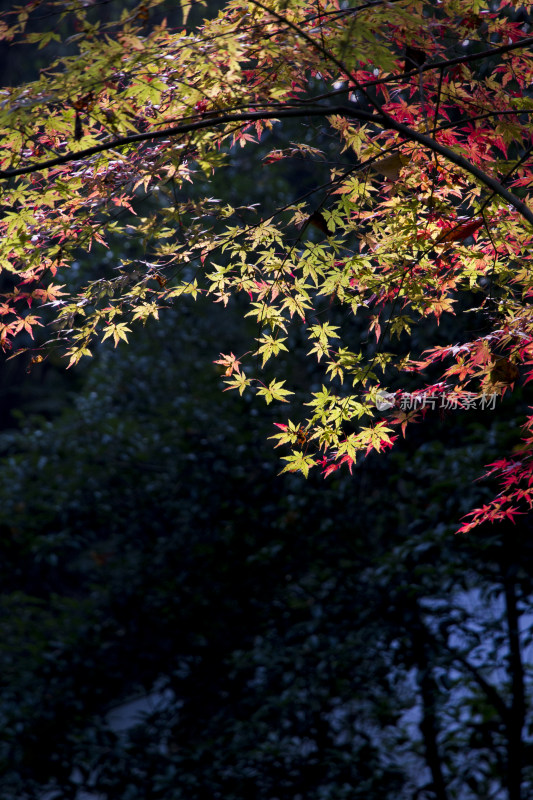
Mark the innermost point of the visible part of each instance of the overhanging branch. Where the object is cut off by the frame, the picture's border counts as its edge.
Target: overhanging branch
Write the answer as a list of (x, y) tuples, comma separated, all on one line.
[(454, 62), (382, 120), (176, 130)]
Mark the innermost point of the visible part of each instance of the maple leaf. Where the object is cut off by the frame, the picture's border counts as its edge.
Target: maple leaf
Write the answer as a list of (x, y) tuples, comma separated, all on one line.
[(461, 231), (274, 391), (298, 462), (240, 382), (230, 362), (118, 331), (504, 371)]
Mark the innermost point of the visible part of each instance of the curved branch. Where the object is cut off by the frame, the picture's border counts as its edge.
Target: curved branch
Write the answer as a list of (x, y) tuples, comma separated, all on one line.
[(390, 123), (383, 120), (497, 187), (176, 130), (453, 62)]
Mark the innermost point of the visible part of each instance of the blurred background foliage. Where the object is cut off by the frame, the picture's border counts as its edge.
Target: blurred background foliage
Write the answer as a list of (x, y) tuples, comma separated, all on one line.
[(148, 543), (311, 639)]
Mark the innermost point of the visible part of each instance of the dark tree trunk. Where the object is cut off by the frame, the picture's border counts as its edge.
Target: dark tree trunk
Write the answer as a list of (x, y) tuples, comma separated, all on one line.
[(429, 694), (517, 711)]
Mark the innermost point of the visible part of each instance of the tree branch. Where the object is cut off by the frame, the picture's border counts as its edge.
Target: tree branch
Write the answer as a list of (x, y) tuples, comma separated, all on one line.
[(386, 121), (516, 719), (429, 693), (383, 120), (489, 690), (453, 62)]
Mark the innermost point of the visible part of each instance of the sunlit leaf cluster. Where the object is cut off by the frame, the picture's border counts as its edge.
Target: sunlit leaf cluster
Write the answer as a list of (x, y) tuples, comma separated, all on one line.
[(423, 110)]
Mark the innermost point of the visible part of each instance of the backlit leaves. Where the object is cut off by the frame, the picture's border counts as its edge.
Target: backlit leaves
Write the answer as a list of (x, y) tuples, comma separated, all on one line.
[(417, 119)]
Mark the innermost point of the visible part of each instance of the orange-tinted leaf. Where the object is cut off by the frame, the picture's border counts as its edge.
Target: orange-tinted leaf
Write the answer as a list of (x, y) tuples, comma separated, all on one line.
[(462, 231)]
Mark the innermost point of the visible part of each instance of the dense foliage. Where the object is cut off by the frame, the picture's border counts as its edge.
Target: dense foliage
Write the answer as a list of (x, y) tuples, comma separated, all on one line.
[(420, 112)]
